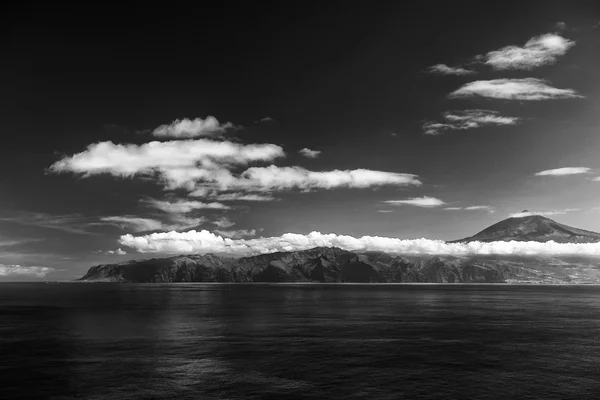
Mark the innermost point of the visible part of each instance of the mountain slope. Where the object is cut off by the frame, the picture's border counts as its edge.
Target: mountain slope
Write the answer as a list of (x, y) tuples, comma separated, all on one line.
[(533, 228)]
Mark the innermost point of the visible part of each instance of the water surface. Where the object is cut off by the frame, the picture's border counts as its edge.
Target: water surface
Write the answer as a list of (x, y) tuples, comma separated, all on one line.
[(295, 341)]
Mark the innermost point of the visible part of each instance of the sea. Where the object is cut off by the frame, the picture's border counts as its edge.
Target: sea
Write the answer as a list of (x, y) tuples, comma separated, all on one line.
[(299, 341)]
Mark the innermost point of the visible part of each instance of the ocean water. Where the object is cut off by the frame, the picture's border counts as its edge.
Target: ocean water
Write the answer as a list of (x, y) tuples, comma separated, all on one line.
[(295, 341)]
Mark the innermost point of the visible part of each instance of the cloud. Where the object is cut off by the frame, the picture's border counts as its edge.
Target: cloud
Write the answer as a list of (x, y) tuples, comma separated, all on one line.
[(274, 178), (117, 252), (70, 223), (223, 222), (237, 234), (207, 242), (527, 213), (385, 211), (308, 153), (564, 171), (178, 163), (264, 120), (561, 26), (489, 209), (135, 223), (443, 69), (529, 89), (188, 128), (424, 201), (538, 51), (184, 206), (467, 119), (18, 270), (237, 196)]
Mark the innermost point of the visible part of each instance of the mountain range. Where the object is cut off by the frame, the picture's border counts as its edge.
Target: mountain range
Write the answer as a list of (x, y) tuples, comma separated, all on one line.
[(331, 265)]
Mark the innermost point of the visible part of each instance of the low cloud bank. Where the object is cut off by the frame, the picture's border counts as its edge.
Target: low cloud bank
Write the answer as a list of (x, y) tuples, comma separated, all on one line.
[(19, 270), (207, 242)]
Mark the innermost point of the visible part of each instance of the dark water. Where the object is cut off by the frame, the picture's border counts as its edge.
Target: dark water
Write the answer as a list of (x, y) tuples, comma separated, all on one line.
[(219, 341)]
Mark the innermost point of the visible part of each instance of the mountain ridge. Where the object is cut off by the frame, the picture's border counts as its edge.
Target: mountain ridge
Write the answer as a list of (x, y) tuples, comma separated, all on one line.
[(333, 264)]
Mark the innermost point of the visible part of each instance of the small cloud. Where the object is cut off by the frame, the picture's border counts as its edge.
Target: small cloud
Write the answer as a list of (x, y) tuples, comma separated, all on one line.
[(188, 128), (264, 120), (527, 89), (385, 211), (19, 270), (424, 201), (134, 223), (308, 153), (443, 69), (564, 171), (184, 206), (561, 26), (223, 222), (538, 51), (241, 233), (489, 209), (527, 213), (117, 252), (467, 119), (238, 196)]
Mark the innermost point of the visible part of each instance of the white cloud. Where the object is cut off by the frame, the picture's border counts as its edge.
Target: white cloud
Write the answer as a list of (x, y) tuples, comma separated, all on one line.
[(489, 209), (424, 201), (237, 234), (542, 213), (443, 69), (118, 252), (596, 179), (179, 163), (184, 206), (18, 270), (538, 51), (223, 222), (283, 178), (308, 153), (385, 211), (561, 26), (264, 120), (207, 242), (188, 128), (467, 119), (514, 89), (134, 223), (237, 196), (564, 171)]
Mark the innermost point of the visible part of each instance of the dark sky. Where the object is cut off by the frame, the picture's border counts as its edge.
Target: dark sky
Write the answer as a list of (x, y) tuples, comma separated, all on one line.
[(347, 79)]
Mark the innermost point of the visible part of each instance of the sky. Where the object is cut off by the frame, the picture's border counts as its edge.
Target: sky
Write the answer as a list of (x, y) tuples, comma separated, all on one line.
[(151, 131)]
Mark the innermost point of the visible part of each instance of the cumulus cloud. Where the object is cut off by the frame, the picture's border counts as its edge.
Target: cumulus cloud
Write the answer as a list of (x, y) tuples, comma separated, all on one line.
[(443, 69), (308, 153), (467, 119), (529, 89), (207, 242), (564, 171), (273, 178), (424, 201), (19, 270), (177, 162), (527, 213), (204, 165), (188, 128), (538, 51), (118, 252), (184, 206), (489, 209)]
